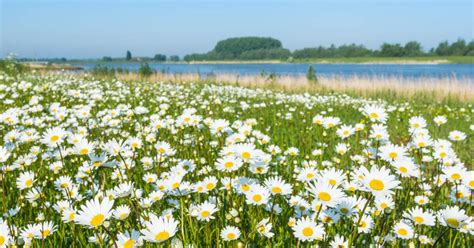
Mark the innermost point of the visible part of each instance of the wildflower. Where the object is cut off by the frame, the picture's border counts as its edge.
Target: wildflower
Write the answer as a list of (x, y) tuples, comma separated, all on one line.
[(95, 212), (307, 230), (159, 229), (230, 233)]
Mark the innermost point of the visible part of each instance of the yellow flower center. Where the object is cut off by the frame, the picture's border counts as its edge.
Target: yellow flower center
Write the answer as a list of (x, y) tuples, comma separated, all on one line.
[(231, 236), (257, 198), (456, 176), (228, 164), (161, 150), (29, 183), (276, 190), (246, 155), (453, 222), (175, 185), (245, 187), (332, 182), (45, 233), (84, 151), (374, 115), (402, 231), (376, 184), (210, 186), (205, 213), (393, 155), (403, 169), (54, 138), (97, 220), (383, 205), (324, 196), (344, 210), (129, 244), (310, 175), (2, 240), (162, 236), (419, 219), (123, 216), (308, 231)]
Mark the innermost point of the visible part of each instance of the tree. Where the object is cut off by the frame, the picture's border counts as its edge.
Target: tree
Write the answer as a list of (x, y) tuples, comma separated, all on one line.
[(107, 58), (174, 58), (412, 48), (128, 56), (159, 57), (391, 50), (311, 74), (442, 49)]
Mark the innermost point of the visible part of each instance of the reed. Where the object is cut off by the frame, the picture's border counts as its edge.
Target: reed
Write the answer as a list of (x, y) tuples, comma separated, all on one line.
[(430, 89)]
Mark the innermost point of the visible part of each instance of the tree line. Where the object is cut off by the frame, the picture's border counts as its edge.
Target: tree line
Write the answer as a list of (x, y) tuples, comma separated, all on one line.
[(258, 48)]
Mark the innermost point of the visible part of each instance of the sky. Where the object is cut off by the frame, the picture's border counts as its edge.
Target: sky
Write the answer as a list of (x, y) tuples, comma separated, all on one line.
[(93, 29)]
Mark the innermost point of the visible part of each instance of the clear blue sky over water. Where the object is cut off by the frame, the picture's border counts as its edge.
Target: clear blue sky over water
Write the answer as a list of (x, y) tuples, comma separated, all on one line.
[(92, 29)]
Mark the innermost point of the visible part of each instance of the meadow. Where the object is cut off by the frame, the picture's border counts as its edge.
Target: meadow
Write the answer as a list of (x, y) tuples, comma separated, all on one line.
[(88, 162)]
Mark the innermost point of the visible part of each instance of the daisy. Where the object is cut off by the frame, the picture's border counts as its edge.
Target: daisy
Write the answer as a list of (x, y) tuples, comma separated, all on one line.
[(375, 113), (453, 217), (25, 180), (83, 147), (277, 186), (257, 195), (95, 212), (392, 152), (228, 163), (159, 229), (457, 135), (53, 137), (339, 242), (121, 212), (366, 224), (380, 182), (307, 230), (454, 173), (440, 120), (205, 211), (325, 193), (264, 228), (4, 233), (420, 217), (46, 229), (230, 233), (129, 240), (403, 231)]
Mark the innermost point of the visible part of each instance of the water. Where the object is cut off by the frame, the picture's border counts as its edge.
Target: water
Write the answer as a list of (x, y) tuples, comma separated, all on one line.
[(460, 71)]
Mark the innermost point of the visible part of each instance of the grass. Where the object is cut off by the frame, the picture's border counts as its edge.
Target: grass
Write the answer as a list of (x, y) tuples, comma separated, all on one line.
[(354, 60), (181, 133), (426, 89)]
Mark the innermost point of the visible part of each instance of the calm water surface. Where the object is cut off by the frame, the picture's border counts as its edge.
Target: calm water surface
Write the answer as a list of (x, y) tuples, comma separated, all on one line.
[(406, 71)]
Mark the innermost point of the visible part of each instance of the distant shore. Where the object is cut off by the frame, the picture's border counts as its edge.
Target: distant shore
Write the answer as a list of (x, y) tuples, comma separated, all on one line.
[(433, 60)]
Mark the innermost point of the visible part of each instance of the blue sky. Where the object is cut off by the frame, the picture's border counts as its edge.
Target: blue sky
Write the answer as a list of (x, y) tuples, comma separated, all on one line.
[(92, 29)]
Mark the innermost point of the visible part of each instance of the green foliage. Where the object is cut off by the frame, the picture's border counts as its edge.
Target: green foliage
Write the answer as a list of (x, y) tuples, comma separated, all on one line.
[(457, 48), (244, 48), (145, 70), (159, 57), (128, 56), (11, 67), (107, 59), (174, 58), (311, 74)]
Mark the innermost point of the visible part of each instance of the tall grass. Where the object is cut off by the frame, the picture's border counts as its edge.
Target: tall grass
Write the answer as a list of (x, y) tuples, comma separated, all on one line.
[(425, 88)]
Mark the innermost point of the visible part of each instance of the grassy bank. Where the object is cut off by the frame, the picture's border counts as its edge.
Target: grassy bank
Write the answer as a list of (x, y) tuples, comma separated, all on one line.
[(394, 60), (355, 60)]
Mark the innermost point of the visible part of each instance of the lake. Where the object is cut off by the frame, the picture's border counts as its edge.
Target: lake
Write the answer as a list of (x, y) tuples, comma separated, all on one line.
[(459, 71)]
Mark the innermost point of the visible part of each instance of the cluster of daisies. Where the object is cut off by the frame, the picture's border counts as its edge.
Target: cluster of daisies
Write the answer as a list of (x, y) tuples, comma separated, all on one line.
[(89, 162)]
